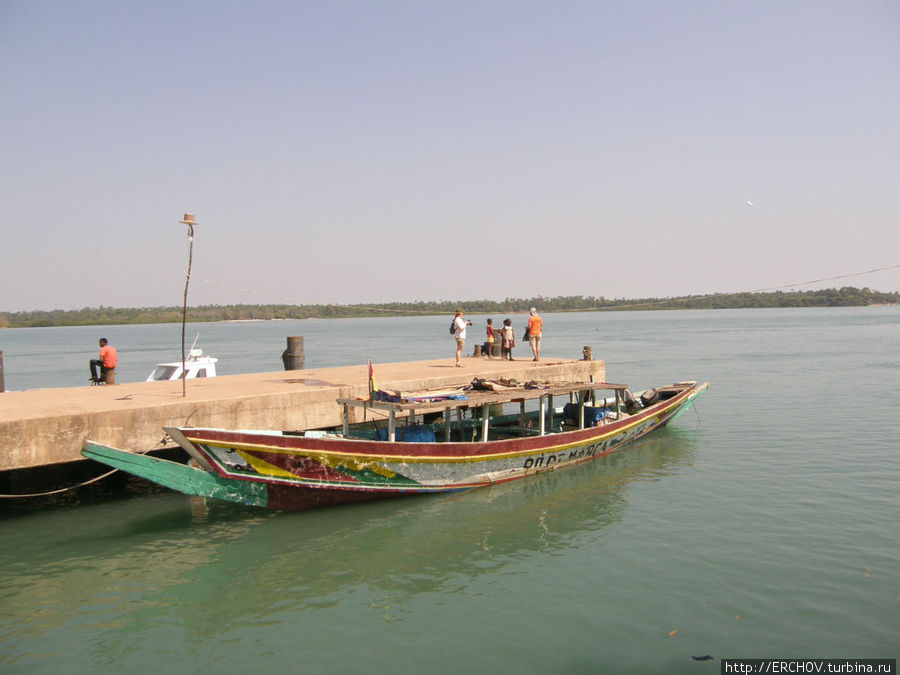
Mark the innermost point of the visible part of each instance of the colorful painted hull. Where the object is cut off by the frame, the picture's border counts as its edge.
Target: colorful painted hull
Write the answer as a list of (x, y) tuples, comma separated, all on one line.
[(292, 472)]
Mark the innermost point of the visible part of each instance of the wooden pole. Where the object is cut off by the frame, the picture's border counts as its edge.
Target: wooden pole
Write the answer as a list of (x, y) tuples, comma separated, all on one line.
[(189, 221), (447, 418), (542, 411), (550, 412), (2, 384)]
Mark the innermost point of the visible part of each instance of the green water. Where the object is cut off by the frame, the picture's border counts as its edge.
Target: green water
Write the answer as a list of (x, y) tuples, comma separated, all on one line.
[(764, 524)]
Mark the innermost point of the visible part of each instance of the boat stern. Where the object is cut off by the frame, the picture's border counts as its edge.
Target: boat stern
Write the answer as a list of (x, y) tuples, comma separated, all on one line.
[(179, 477)]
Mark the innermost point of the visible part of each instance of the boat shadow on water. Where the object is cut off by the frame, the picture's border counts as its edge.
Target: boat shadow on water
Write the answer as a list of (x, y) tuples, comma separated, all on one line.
[(198, 557), (417, 544)]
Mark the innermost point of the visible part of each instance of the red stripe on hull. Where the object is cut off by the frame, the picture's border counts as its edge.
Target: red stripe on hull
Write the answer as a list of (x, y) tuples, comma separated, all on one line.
[(303, 467)]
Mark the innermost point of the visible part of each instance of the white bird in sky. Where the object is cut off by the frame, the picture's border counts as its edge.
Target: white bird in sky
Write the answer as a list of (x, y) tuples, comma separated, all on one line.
[(749, 203)]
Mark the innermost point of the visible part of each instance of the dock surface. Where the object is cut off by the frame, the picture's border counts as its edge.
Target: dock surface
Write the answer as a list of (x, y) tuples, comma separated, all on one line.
[(47, 426)]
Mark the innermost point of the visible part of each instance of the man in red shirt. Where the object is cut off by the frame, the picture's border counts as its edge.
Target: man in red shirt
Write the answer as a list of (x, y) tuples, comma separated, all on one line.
[(106, 361)]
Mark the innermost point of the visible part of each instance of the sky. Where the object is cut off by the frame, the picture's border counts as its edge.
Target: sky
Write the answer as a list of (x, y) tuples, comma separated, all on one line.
[(370, 151)]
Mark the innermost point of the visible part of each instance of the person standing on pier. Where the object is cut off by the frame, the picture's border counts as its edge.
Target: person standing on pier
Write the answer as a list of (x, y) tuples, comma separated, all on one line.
[(533, 330), (508, 340), (459, 333), (489, 338), (106, 361)]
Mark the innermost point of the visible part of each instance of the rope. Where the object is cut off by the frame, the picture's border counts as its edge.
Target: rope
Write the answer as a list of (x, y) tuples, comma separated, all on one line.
[(580, 309), (65, 489), (161, 442), (840, 276), (757, 290)]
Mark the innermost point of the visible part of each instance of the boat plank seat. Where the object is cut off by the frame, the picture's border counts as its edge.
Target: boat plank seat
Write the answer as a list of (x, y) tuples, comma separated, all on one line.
[(668, 392)]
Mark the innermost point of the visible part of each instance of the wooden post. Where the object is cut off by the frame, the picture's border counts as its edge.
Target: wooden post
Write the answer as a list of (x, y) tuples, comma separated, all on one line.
[(586, 354), (2, 385), (485, 415), (392, 426), (447, 417), (293, 357), (542, 411), (550, 412)]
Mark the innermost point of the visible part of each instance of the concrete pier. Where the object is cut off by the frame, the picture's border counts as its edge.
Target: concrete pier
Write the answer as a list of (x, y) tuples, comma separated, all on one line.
[(47, 426)]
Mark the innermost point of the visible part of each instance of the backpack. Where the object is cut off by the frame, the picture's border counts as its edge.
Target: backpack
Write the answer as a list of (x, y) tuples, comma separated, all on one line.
[(453, 326)]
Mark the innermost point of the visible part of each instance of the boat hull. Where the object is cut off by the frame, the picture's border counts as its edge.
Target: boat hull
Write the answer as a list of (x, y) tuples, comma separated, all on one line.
[(291, 472)]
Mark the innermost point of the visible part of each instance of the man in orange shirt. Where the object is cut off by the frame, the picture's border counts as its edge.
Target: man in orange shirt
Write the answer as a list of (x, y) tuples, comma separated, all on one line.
[(107, 361), (534, 333)]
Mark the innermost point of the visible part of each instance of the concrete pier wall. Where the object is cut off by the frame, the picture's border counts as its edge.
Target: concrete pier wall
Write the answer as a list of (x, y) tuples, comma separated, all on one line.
[(47, 426)]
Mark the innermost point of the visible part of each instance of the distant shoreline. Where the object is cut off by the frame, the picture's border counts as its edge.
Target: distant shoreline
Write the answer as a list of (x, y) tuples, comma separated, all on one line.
[(847, 296)]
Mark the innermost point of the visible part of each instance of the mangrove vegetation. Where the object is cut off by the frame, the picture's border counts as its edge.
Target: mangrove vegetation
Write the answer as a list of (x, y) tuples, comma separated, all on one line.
[(96, 316)]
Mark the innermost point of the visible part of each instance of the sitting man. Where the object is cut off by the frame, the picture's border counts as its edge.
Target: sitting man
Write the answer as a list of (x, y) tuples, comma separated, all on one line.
[(106, 362)]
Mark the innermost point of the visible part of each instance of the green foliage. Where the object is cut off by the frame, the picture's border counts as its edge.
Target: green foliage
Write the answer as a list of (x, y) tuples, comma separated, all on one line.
[(94, 316)]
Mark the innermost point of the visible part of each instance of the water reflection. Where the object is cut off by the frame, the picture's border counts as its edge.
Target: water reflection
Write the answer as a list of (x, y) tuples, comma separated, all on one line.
[(127, 566)]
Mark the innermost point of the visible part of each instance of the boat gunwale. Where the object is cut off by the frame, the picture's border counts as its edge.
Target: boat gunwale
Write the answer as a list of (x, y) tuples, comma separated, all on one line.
[(332, 449)]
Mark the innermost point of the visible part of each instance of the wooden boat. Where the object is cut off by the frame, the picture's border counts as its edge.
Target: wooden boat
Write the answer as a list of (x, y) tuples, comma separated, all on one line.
[(415, 447)]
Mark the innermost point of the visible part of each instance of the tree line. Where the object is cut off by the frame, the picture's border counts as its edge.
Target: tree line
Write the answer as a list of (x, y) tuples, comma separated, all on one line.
[(847, 296)]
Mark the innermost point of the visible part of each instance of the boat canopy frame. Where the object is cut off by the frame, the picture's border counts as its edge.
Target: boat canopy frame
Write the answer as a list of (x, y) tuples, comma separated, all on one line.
[(483, 399)]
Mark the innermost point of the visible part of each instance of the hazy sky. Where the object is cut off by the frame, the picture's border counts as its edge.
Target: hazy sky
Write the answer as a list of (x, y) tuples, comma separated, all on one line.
[(352, 152)]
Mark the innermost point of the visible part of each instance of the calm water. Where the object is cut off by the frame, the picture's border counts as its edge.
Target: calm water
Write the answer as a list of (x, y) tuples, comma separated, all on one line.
[(766, 523)]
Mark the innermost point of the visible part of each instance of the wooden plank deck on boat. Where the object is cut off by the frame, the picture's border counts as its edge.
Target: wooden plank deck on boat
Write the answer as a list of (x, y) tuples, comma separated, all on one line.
[(476, 398), (484, 397)]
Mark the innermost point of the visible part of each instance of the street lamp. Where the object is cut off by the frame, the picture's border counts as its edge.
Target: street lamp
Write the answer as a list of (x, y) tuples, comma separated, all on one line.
[(190, 222)]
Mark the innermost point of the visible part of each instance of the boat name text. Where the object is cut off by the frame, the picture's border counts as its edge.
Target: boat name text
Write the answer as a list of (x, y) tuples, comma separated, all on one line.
[(598, 448)]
